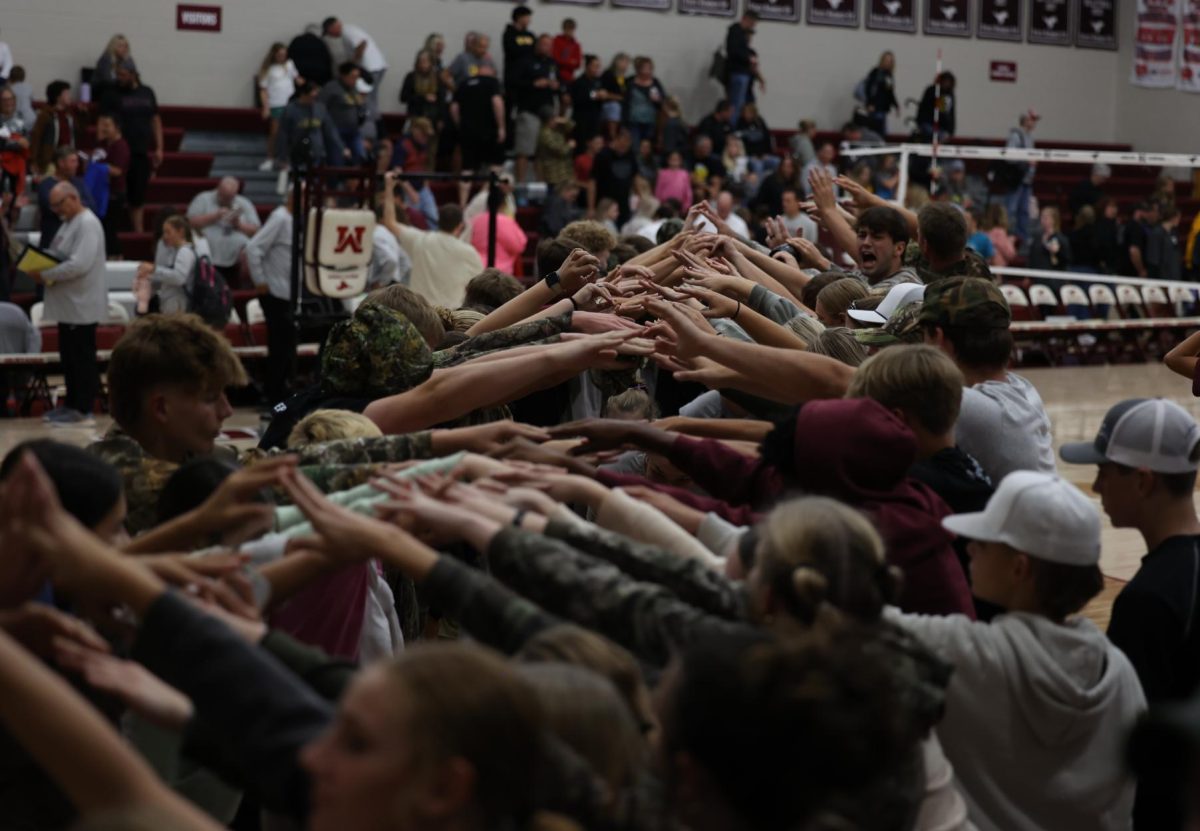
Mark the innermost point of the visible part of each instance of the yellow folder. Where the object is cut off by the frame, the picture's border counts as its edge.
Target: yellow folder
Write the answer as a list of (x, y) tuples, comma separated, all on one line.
[(36, 259)]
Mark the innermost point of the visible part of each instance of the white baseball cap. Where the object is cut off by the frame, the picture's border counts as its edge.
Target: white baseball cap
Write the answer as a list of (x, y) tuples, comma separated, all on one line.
[(1150, 433), (1038, 514), (898, 296)]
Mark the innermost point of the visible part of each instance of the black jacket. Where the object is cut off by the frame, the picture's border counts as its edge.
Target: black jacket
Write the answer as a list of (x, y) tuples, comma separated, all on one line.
[(737, 49)]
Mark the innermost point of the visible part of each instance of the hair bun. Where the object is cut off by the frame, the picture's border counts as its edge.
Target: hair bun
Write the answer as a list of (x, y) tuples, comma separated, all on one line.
[(809, 586)]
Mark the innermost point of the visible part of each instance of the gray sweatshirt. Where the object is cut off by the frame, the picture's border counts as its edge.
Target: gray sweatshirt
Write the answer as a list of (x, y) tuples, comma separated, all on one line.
[(269, 254), (76, 290), (1037, 716), (172, 277)]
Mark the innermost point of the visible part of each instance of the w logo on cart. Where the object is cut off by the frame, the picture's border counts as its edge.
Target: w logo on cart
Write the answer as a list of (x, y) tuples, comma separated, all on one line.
[(349, 238)]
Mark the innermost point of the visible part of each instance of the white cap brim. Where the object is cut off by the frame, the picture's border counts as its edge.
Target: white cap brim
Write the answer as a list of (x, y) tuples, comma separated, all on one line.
[(973, 526), (867, 316)]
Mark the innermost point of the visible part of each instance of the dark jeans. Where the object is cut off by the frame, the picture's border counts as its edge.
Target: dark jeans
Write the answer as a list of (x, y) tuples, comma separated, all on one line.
[(112, 222), (77, 348), (281, 347)]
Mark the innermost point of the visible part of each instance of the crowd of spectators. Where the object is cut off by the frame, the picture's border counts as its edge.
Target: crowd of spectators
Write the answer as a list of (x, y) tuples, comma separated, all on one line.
[(734, 516)]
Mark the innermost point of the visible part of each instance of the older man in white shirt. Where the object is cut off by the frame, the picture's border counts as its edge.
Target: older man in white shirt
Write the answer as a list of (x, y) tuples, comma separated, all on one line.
[(227, 220), (77, 299)]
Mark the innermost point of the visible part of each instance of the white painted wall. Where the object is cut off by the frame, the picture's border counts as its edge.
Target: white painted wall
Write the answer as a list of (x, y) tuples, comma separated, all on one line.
[(811, 71)]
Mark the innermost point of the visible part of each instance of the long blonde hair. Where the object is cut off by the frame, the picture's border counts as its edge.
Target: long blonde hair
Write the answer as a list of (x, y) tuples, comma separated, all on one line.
[(111, 49), (269, 60)]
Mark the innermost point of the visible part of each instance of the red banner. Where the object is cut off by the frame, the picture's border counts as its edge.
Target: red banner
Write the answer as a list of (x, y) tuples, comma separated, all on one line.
[(1154, 43), (1189, 56)]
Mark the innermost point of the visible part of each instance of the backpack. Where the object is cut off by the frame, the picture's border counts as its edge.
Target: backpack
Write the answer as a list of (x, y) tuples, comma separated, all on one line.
[(719, 69), (210, 297)]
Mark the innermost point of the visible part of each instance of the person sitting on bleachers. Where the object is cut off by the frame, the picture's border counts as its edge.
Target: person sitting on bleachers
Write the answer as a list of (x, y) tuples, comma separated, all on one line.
[(228, 220), (18, 336), (168, 278), (1050, 250)]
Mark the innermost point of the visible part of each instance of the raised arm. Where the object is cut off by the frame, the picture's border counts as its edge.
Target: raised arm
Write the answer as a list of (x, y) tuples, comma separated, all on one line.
[(1183, 358), (791, 376), (844, 236), (579, 268), (452, 393)]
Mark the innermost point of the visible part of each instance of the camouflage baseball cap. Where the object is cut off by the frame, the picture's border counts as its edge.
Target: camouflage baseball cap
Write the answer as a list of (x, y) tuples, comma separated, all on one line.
[(965, 301), (902, 327)]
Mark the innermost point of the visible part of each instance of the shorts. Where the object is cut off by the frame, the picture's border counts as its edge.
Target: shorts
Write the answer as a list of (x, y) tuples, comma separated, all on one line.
[(138, 180), (612, 110), (525, 135), (478, 154), (277, 112)]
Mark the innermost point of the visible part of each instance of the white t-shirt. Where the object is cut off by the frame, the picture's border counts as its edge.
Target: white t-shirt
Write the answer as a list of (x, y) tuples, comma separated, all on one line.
[(280, 83), (372, 59), (1004, 425)]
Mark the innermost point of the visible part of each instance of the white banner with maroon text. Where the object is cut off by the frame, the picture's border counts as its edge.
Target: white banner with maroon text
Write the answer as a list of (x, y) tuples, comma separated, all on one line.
[(1189, 52), (1154, 43)]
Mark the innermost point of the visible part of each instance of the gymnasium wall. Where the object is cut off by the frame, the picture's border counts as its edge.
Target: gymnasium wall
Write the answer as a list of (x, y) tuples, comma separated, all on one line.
[(1153, 120), (811, 71)]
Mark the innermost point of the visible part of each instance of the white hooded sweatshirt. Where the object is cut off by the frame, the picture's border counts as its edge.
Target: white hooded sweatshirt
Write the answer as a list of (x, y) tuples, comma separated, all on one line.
[(1037, 716)]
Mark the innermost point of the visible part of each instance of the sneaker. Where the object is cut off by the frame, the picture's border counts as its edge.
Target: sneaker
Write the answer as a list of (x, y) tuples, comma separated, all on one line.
[(65, 416), (268, 164)]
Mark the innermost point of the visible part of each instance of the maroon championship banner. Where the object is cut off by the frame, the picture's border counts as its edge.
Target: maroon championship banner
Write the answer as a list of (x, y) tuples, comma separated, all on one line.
[(712, 8), (999, 20), (892, 15), (787, 11), (1050, 22), (948, 18), (1096, 24), (1154, 43), (842, 13)]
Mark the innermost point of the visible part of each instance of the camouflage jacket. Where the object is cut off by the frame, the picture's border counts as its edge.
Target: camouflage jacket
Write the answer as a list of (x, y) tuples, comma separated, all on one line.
[(971, 265), (647, 619), (489, 611), (527, 333), (690, 580), (333, 466)]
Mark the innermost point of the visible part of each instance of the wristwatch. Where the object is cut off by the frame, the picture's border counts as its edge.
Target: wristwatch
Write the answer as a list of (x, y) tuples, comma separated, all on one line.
[(554, 282)]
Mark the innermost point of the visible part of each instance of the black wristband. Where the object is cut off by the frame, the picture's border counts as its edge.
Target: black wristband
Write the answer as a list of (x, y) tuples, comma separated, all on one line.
[(553, 282), (519, 518), (738, 311), (574, 302)]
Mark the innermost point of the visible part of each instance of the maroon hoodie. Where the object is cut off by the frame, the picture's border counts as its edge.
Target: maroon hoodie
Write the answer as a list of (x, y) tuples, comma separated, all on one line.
[(857, 452)]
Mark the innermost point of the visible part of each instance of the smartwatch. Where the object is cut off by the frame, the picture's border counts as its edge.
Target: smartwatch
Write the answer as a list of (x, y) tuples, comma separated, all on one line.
[(554, 282)]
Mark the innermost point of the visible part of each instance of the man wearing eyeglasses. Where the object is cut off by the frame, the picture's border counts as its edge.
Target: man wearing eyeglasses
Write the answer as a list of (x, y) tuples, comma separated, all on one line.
[(77, 299)]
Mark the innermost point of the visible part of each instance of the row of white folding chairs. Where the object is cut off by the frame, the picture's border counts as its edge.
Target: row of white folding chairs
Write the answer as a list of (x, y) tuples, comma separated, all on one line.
[(1097, 294)]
